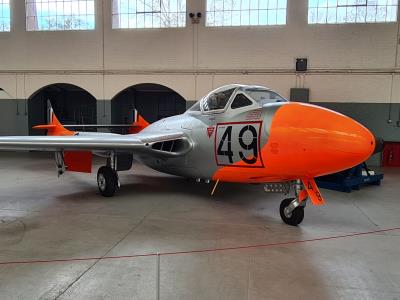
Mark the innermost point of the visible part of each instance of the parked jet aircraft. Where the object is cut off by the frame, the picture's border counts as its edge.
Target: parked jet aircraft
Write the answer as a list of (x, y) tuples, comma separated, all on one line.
[(236, 133)]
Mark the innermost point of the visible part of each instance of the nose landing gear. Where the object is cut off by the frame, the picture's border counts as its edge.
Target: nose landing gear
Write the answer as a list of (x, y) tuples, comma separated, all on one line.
[(292, 211)]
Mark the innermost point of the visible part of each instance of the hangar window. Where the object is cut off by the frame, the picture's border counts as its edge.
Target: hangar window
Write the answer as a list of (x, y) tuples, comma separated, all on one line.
[(5, 15), (51, 15), (351, 11), (245, 12), (148, 13)]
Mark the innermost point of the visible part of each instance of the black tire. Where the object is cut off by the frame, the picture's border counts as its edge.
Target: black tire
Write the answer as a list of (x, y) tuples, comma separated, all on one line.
[(297, 215), (107, 181)]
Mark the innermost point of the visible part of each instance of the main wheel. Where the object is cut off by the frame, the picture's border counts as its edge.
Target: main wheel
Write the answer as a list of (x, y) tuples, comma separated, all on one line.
[(107, 181), (295, 217)]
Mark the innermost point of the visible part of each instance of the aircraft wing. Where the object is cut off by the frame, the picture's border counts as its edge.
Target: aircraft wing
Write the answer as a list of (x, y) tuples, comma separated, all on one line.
[(161, 144)]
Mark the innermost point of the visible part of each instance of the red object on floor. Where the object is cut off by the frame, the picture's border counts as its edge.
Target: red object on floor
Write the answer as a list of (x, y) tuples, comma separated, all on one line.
[(391, 154)]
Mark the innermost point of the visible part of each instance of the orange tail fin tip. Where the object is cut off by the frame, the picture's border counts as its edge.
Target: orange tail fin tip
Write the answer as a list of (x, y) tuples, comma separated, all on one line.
[(138, 125), (55, 127)]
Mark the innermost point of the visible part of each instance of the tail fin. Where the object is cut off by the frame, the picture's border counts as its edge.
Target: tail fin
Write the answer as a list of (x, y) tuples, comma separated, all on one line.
[(139, 123), (53, 127)]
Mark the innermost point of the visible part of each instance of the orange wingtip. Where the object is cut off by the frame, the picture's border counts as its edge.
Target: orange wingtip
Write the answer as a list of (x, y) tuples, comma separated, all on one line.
[(49, 126)]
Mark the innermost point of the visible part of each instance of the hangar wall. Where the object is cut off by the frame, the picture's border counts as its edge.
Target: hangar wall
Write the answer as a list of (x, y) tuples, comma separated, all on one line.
[(353, 63)]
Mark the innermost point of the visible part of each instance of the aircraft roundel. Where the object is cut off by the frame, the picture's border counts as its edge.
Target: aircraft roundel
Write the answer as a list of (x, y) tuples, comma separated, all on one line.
[(210, 131)]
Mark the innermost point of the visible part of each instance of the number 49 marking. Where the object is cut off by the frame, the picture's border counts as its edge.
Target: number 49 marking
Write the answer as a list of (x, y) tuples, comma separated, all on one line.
[(226, 138), (238, 142)]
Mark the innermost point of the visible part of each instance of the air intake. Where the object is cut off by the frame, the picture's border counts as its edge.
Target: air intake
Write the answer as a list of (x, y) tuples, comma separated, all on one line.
[(177, 146)]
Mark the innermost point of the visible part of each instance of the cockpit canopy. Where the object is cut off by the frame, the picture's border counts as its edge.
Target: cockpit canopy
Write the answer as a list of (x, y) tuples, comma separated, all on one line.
[(236, 96)]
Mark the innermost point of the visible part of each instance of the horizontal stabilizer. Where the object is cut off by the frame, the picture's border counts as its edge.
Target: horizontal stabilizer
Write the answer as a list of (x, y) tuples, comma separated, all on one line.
[(96, 126), (138, 125), (45, 127)]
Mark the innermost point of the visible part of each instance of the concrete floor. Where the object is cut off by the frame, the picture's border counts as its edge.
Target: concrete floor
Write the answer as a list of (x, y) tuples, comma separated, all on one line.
[(46, 218)]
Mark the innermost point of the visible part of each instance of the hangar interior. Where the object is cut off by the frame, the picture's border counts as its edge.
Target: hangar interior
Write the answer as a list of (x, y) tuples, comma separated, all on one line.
[(165, 237), (153, 101), (71, 104)]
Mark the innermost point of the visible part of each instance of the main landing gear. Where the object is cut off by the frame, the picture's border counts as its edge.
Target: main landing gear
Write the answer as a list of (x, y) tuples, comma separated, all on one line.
[(107, 181), (107, 178)]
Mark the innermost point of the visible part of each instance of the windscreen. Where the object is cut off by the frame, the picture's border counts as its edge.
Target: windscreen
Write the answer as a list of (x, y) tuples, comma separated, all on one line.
[(195, 107), (217, 100)]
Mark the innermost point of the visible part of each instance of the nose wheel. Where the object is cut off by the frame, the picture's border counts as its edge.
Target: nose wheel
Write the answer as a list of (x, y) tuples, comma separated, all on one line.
[(107, 181), (292, 211)]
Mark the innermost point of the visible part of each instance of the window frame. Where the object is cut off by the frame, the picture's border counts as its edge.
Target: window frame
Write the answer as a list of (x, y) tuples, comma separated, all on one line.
[(356, 15), (10, 19), (249, 10), (62, 15), (144, 13)]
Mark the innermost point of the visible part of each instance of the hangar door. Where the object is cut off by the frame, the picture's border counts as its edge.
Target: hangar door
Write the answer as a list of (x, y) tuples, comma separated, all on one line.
[(391, 154), (152, 101), (71, 104)]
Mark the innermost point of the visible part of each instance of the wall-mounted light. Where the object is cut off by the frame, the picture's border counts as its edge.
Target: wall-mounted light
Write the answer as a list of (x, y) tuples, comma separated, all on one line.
[(195, 17), (301, 64)]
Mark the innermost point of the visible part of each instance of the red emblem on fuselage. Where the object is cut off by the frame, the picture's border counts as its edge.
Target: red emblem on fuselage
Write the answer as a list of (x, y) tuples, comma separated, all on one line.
[(210, 131)]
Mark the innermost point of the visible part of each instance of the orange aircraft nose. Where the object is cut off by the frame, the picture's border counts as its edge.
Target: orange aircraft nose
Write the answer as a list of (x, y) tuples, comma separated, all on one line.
[(313, 141)]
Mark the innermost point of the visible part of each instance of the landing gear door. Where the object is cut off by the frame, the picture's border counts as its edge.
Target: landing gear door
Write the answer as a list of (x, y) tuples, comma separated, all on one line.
[(313, 191)]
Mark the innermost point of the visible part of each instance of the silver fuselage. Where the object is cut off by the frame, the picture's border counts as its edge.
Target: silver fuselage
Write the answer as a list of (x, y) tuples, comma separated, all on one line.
[(204, 131)]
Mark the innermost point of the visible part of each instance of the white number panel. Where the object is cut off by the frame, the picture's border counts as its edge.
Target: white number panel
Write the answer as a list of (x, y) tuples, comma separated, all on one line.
[(237, 144)]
